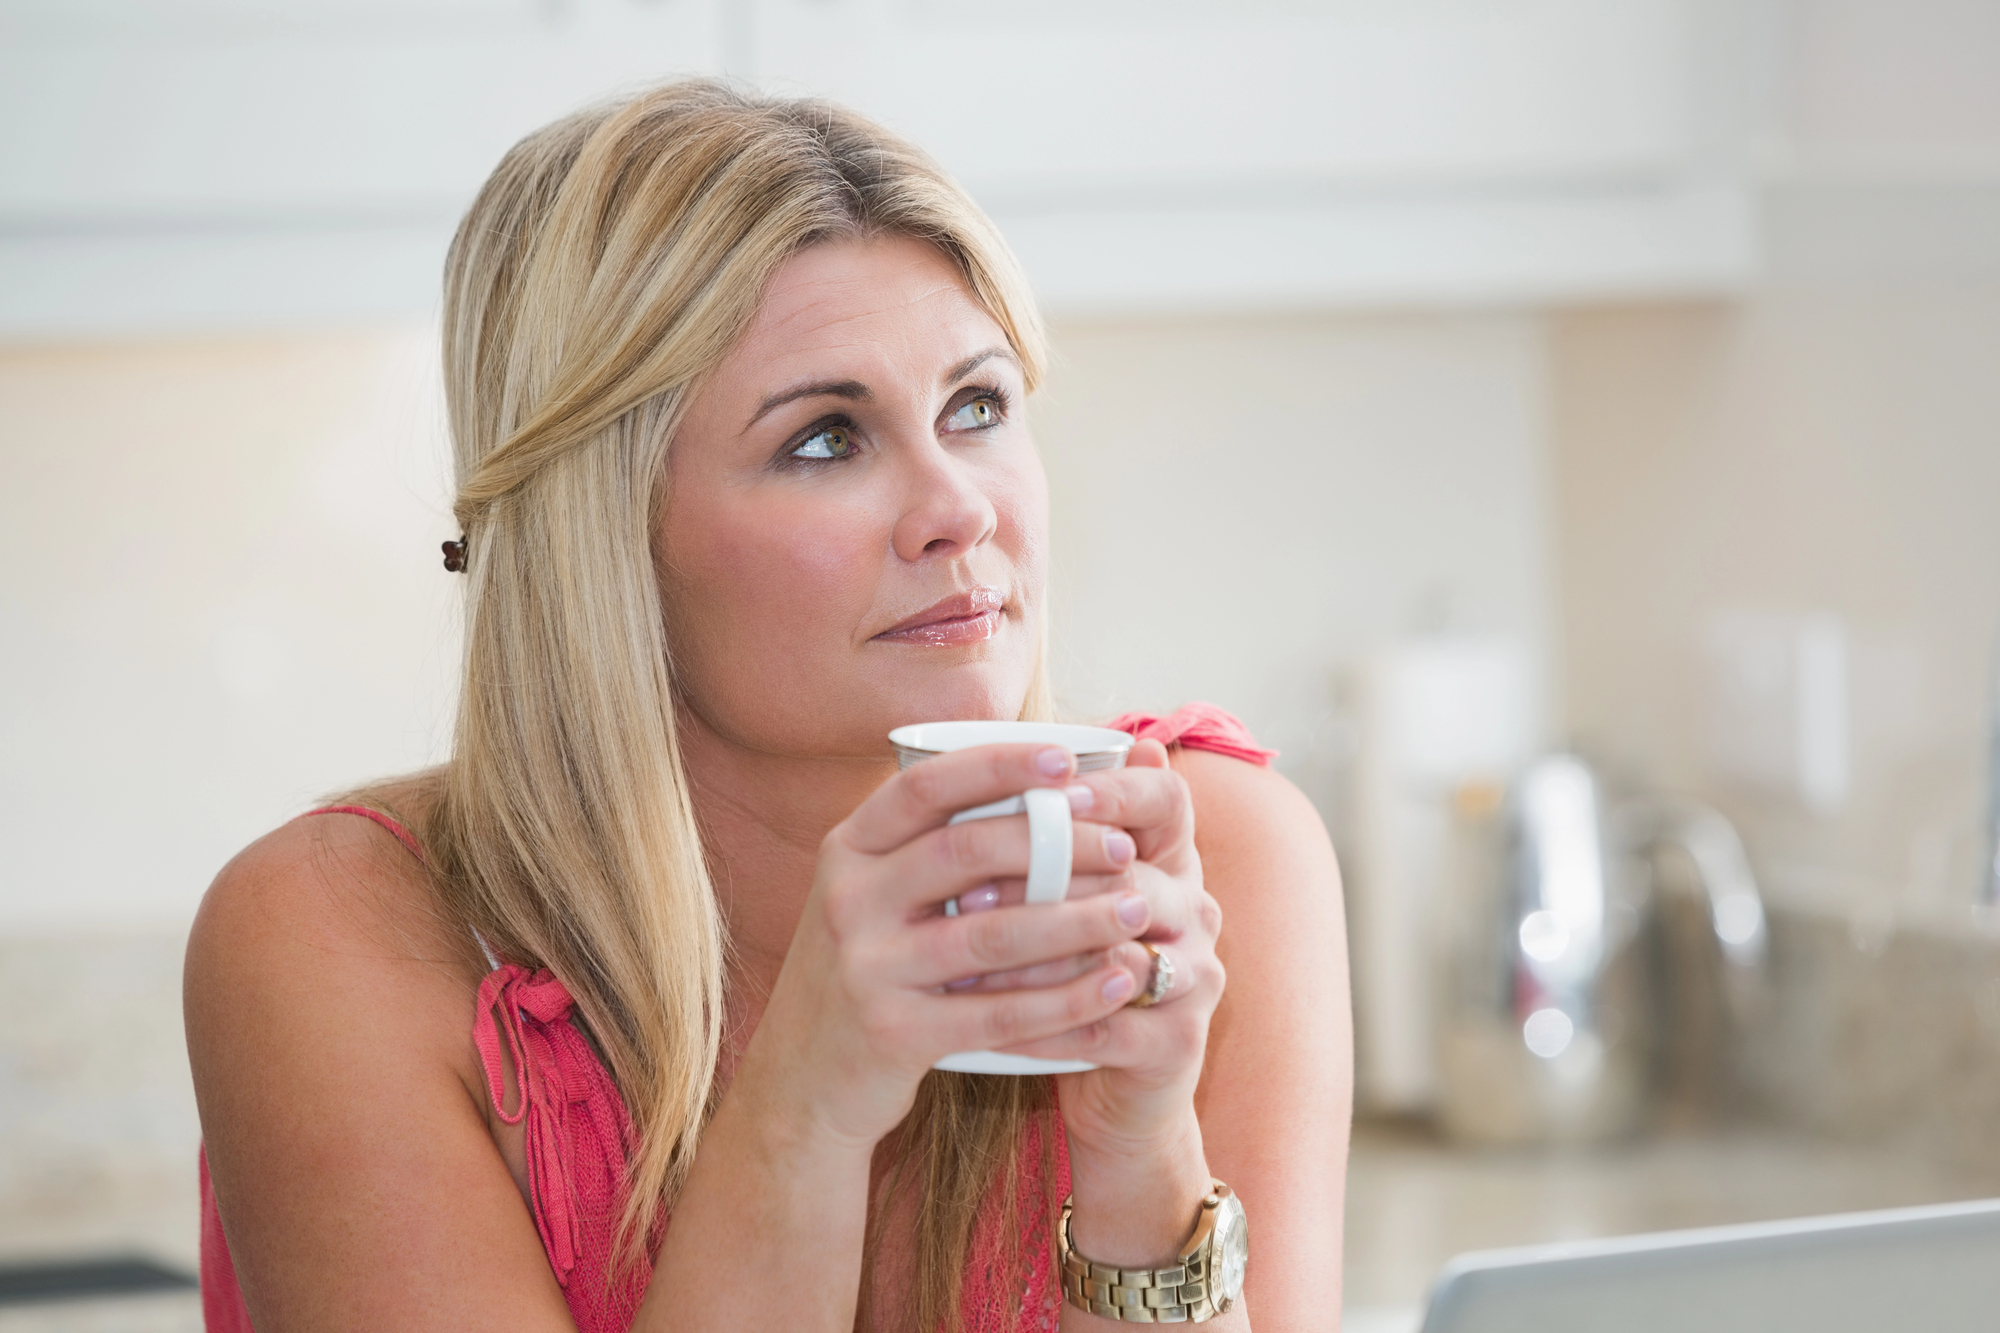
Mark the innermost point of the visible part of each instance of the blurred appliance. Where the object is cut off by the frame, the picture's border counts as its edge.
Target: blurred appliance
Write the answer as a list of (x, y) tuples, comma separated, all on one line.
[(1436, 712), (1989, 870), (1927, 1268), (1562, 990)]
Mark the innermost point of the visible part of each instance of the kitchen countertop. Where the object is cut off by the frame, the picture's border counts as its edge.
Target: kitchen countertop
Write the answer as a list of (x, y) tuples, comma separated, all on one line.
[(1414, 1201)]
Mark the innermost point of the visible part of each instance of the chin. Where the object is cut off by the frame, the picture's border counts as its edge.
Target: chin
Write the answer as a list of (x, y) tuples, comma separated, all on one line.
[(957, 696)]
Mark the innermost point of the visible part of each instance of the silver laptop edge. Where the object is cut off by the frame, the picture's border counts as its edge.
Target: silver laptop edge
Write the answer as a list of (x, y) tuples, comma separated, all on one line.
[(1831, 1273)]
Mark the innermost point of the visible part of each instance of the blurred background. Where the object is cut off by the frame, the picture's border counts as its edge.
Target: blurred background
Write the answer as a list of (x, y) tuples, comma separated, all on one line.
[(1441, 386)]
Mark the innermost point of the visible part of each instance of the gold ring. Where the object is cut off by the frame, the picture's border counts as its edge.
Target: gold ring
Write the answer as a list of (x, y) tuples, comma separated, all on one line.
[(1162, 981)]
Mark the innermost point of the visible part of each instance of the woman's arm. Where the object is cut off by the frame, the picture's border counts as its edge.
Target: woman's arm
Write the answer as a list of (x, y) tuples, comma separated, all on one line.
[(329, 1015), (1275, 1053), (1277, 1088), (329, 1020), (1249, 1084)]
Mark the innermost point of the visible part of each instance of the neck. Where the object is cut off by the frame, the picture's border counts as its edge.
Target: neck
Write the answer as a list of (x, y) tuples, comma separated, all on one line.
[(762, 817)]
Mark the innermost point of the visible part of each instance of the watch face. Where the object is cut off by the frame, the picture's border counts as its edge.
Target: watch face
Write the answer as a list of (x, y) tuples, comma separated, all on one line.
[(1232, 1249)]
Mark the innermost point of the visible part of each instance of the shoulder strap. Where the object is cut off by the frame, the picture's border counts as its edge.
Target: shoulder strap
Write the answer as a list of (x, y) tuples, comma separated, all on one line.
[(1198, 726), (409, 840), (403, 835)]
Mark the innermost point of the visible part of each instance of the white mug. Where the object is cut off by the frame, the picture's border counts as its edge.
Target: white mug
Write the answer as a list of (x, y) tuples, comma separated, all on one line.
[(1049, 833)]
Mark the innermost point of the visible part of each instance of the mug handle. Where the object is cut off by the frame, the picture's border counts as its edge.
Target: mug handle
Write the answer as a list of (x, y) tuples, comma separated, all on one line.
[(1051, 840), (1051, 845)]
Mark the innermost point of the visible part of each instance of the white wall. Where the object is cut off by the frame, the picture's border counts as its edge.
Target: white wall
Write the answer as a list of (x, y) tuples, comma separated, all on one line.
[(222, 598), (1245, 507), (1818, 454), (1827, 449)]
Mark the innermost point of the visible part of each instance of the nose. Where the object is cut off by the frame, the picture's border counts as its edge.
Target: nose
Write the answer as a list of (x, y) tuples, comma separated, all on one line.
[(945, 511)]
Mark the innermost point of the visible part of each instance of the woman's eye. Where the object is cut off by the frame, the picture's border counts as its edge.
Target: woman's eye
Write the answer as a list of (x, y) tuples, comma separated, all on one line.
[(975, 415), (833, 442)]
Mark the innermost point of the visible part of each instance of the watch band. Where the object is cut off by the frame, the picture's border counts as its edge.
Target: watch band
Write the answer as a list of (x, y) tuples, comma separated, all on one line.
[(1185, 1293)]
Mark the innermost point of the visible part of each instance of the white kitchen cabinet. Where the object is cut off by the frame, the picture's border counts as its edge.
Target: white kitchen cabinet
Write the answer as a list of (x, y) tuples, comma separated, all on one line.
[(198, 164), (1201, 156), (172, 164), (225, 120), (1096, 100)]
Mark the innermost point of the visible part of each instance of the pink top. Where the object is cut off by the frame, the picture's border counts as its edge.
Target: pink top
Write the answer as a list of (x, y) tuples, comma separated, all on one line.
[(579, 1134)]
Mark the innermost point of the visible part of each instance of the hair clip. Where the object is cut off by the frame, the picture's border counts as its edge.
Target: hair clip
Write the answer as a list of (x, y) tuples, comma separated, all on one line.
[(454, 555)]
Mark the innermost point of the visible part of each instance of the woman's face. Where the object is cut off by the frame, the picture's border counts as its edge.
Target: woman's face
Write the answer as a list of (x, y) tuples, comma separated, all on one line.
[(856, 519)]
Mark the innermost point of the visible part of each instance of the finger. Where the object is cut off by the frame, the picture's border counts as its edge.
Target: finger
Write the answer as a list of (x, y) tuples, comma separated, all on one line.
[(1057, 973), (941, 950), (1087, 875), (1133, 957), (1122, 1039), (1156, 1038), (990, 1022), (1147, 754), (984, 898), (1173, 912), (928, 794), (1152, 804), (945, 862), (1172, 968)]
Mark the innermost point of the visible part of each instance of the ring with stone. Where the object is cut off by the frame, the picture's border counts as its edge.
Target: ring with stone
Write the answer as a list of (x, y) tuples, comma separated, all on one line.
[(1162, 982)]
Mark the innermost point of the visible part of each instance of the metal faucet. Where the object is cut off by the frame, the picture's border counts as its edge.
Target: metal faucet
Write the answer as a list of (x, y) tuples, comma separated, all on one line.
[(1550, 1010)]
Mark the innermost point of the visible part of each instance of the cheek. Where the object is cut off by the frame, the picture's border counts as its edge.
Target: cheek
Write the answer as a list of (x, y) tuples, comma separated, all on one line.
[(1021, 506), (790, 556), (755, 588)]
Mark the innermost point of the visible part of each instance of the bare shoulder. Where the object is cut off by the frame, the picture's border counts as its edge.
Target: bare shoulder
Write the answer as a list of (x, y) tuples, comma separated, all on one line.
[(332, 892), (1269, 864), (319, 935), (1252, 825), (1276, 1086), (329, 1013), (330, 912)]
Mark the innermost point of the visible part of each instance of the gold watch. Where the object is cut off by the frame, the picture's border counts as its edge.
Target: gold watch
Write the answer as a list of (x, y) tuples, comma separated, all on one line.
[(1206, 1279)]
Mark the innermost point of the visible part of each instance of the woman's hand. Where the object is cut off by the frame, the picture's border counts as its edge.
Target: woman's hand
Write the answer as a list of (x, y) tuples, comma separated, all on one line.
[(1141, 1098), (865, 1002)]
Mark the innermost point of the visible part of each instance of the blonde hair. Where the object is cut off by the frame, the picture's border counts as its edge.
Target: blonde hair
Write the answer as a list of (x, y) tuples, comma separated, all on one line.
[(610, 262)]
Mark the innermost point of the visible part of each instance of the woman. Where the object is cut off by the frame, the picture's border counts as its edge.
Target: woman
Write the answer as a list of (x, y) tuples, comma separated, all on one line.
[(625, 1016)]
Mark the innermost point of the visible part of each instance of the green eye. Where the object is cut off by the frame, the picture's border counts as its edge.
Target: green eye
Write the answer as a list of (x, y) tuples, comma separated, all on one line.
[(975, 415), (833, 442)]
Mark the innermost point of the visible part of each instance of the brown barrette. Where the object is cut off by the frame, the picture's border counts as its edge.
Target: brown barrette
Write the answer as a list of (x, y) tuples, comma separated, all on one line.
[(454, 555)]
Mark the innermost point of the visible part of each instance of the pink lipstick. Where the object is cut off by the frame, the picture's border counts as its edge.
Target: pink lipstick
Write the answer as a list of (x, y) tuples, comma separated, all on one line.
[(965, 617)]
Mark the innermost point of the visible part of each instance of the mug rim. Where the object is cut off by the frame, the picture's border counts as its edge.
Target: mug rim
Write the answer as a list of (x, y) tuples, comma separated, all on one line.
[(945, 737)]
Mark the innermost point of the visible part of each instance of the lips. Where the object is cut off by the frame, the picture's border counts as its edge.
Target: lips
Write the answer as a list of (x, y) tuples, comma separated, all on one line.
[(964, 617)]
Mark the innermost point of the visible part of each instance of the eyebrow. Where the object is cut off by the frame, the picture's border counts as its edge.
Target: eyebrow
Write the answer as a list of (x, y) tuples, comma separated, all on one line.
[(976, 360), (855, 391), (852, 390)]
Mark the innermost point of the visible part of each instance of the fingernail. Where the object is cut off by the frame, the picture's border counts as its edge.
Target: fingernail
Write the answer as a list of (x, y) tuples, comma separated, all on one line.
[(1117, 986), (1053, 762), (1133, 911), (1081, 798), (981, 899), (1118, 846), (963, 983)]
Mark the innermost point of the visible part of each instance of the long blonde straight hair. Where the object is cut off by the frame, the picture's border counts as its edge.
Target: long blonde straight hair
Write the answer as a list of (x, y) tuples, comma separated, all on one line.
[(608, 264)]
